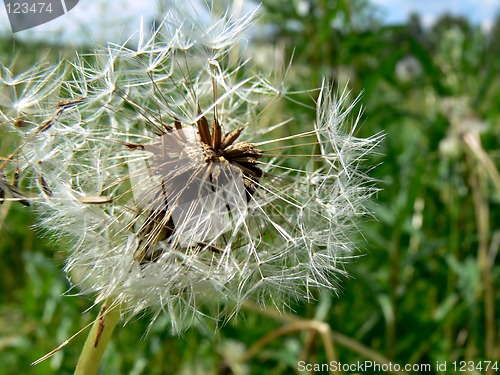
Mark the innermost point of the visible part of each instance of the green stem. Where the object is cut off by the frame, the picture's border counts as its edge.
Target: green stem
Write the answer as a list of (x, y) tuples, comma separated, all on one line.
[(98, 339)]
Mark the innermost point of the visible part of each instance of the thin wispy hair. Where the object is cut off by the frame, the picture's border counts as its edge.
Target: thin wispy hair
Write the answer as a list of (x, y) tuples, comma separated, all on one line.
[(164, 169)]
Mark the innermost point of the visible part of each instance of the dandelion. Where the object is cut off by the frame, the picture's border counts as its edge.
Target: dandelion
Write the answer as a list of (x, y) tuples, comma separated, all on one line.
[(165, 169)]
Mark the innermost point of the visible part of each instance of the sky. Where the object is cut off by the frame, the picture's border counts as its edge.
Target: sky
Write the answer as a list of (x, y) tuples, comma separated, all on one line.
[(481, 12), (94, 20), (104, 20)]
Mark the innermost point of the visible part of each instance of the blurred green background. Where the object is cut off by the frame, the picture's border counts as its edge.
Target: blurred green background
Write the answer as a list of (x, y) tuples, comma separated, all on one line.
[(426, 288)]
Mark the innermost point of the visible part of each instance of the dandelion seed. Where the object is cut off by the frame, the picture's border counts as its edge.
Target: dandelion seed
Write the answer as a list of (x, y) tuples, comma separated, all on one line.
[(157, 162)]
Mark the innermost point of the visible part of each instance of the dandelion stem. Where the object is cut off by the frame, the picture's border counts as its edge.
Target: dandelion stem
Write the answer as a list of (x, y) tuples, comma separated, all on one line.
[(98, 339), (479, 164)]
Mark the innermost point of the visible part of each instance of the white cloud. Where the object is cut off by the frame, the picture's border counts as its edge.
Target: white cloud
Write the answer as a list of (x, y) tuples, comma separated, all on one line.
[(90, 20), (480, 12)]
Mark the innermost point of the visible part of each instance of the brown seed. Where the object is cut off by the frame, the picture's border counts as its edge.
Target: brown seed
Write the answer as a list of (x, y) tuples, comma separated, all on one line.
[(45, 187), (230, 137), (216, 134), (64, 104), (96, 200), (20, 123), (46, 125)]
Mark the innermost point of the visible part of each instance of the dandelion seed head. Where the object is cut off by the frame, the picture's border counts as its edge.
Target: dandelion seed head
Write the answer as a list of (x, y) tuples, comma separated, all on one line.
[(161, 167)]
